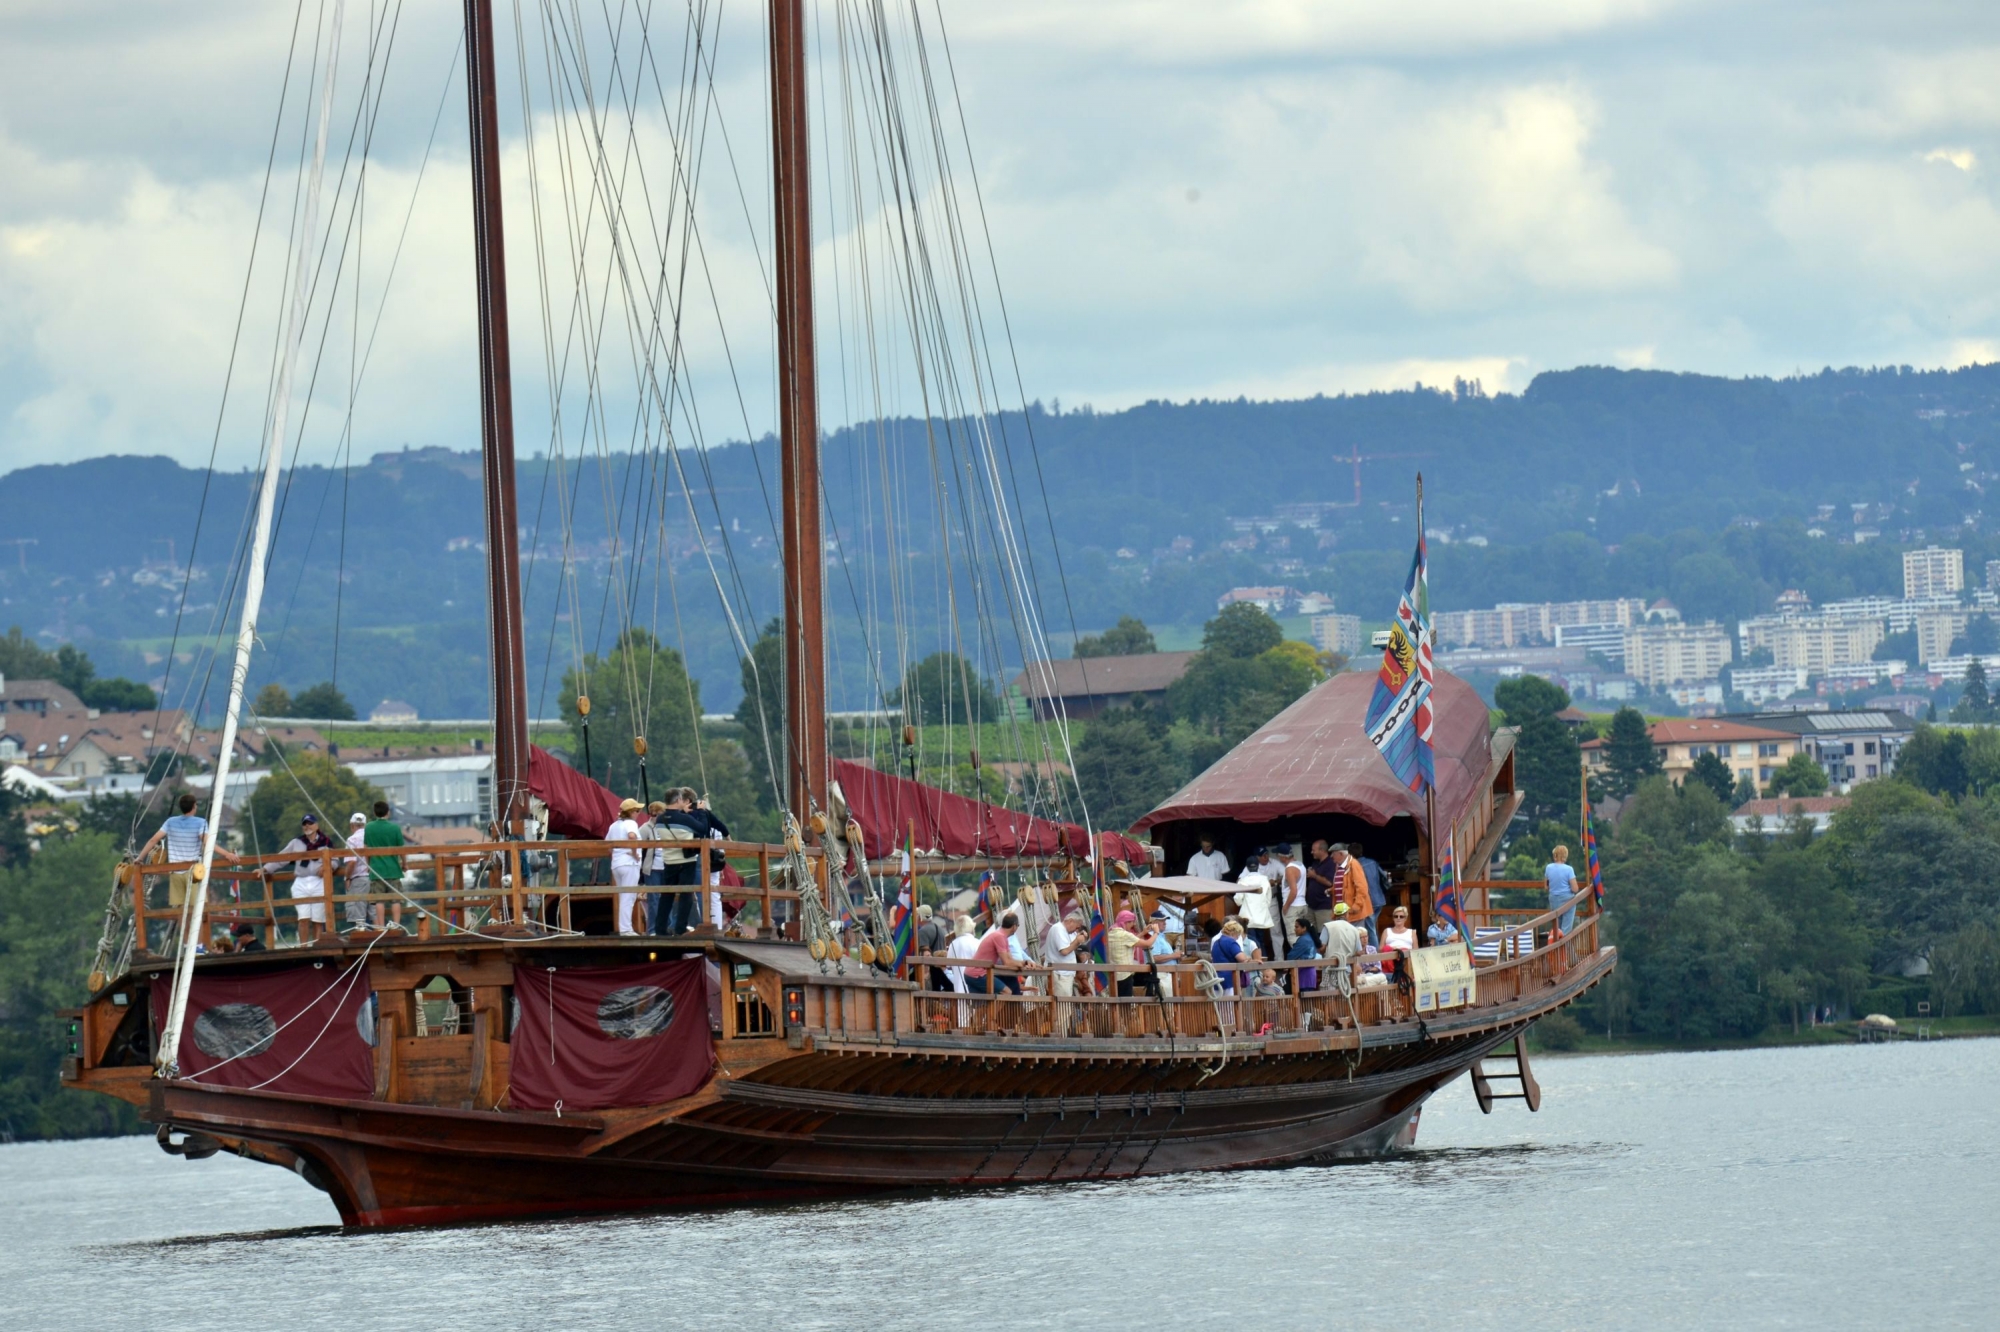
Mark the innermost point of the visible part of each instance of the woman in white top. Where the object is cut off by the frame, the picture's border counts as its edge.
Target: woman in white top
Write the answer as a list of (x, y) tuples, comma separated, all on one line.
[(625, 863), (964, 943), (1399, 935)]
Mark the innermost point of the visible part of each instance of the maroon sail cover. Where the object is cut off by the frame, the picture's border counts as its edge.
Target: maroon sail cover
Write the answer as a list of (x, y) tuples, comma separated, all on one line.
[(304, 1029), (885, 805), (595, 1038), (578, 806)]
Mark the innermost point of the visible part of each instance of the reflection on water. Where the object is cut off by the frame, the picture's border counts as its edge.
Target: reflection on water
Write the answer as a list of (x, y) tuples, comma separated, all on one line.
[(1824, 1187)]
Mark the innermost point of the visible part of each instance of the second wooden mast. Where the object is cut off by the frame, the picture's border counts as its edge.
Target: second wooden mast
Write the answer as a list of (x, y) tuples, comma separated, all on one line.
[(496, 430), (798, 419)]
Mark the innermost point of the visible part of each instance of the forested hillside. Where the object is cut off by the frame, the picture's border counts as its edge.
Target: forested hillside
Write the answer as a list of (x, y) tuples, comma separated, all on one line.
[(1590, 482)]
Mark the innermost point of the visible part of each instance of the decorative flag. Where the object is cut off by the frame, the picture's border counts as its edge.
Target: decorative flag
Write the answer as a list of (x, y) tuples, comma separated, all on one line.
[(1446, 903), (985, 903), (1094, 941), (1399, 715), (903, 916), (1593, 871)]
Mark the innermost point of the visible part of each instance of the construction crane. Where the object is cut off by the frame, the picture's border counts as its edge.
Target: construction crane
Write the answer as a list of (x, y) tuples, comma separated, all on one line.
[(21, 544), (1357, 457)]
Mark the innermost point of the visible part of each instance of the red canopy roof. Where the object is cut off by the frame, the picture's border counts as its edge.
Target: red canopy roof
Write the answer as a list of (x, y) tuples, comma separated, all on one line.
[(1315, 758), (885, 805)]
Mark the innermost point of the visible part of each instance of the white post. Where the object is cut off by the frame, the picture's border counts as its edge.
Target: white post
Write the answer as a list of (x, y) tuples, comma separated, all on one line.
[(193, 912)]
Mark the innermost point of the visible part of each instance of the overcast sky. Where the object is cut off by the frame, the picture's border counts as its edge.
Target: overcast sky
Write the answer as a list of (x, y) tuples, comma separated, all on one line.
[(1209, 198)]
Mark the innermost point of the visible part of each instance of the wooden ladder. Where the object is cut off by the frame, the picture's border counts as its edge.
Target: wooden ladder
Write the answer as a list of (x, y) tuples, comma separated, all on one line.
[(1483, 1080)]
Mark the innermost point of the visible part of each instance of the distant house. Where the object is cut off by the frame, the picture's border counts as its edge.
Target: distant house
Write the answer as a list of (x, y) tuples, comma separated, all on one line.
[(392, 712), (1084, 687), (37, 698), (1854, 745), (1752, 751), (1772, 817)]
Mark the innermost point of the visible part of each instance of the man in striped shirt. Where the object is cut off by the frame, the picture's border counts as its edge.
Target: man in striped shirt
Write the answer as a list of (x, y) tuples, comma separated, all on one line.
[(183, 834)]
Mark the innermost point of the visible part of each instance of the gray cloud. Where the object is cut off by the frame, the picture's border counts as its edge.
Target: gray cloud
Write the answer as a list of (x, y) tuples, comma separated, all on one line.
[(1186, 199)]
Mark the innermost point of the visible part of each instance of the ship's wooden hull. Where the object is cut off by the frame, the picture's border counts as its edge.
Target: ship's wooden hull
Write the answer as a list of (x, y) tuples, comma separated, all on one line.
[(759, 1142)]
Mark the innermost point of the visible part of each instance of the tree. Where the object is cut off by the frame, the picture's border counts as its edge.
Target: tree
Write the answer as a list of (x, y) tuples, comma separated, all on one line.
[(1242, 630), (322, 702), (946, 688), (1798, 776), (1897, 647), (272, 701), (50, 907), (1629, 756), (1713, 773), (1527, 696), (1933, 760), (1975, 704), (1547, 762), (21, 658), (1124, 765), (305, 784), (761, 711), (1980, 636), (639, 690), (118, 695), (1745, 792), (1129, 637)]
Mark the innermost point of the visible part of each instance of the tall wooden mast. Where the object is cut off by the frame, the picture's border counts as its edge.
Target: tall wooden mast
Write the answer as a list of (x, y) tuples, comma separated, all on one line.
[(496, 429), (798, 417)]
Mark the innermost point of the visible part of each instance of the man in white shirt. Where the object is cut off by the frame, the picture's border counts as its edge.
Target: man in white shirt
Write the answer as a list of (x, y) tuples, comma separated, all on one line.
[(1290, 881), (1208, 863), (1059, 947), (625, 862)]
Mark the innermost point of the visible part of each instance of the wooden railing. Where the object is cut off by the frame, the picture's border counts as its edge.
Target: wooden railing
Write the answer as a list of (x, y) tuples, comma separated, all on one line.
[(1181, 1010), (442, 889)]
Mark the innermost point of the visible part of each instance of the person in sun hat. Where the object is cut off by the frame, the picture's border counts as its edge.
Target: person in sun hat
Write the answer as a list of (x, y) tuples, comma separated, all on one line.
[(625, 862), (308, 877), (358, 910)]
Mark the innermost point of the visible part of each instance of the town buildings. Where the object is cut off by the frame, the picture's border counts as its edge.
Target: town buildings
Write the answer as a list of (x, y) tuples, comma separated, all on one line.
[(1754, 752)]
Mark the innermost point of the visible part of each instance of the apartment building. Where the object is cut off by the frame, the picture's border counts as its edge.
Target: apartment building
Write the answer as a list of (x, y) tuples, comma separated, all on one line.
[(1514, 623), (1853, 746), (1937, 631), (1657, 655), (1813, 643), (1933, 572), (1338, 633)]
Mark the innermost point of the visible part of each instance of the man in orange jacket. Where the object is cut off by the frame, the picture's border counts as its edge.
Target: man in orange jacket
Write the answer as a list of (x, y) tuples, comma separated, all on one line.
[(1354, 892)]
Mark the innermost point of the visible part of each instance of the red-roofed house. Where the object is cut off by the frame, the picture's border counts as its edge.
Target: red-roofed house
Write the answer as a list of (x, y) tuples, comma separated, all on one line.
[(1754, 752)]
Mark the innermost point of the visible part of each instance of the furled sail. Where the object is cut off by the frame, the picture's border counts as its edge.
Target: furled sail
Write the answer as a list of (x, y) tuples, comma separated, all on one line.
[(578, 806), (955, 825)]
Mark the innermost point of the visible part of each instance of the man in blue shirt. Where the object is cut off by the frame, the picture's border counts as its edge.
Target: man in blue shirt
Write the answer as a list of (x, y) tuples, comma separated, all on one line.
[(1562, 886)]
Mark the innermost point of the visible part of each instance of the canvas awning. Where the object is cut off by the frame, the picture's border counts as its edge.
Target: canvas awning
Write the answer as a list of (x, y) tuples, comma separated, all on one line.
[(1315, 758)]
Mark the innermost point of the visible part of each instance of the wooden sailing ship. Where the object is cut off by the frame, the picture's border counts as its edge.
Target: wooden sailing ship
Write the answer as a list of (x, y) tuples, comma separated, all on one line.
[(509, 1055)]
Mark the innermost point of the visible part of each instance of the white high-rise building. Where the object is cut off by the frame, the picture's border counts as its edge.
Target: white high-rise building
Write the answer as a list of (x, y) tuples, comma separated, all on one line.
[(1932, 572), (1668, 654)]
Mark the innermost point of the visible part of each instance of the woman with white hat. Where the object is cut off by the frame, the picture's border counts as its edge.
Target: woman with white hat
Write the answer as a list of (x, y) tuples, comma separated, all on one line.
[(625, 863)]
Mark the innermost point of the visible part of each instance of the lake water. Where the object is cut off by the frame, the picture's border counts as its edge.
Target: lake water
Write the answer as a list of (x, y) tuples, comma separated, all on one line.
[(1812, 1188)]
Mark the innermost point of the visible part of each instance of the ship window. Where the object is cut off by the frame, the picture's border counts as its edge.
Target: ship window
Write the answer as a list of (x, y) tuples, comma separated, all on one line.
[(444, 1007)]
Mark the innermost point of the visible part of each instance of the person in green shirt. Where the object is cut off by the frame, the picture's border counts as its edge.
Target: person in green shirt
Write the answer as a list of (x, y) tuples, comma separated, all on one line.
[(385, 873)]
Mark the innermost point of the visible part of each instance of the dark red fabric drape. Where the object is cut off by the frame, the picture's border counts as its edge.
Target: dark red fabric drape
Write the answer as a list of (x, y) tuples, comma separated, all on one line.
[(885, 805), (302, 1029), (578, 806), (594, 1038)]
